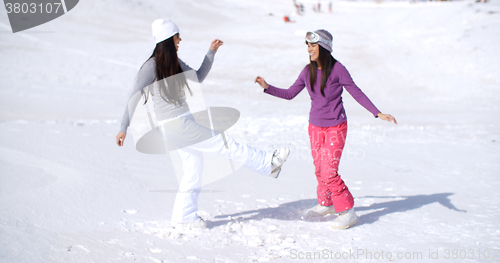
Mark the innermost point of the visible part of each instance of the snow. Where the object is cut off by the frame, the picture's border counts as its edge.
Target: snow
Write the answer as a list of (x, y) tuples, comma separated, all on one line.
[(428, 185)]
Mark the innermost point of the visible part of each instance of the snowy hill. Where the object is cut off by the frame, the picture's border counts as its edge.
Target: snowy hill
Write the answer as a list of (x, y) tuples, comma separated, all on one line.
[(423, 188)]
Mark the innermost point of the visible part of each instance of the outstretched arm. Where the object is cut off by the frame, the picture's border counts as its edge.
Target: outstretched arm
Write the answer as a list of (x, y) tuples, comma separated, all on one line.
[(287, 94), (206, 65), (346, 81)]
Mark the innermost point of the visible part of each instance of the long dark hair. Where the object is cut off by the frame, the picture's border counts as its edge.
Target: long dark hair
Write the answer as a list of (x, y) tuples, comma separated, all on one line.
[(167, 64), (326, 62)]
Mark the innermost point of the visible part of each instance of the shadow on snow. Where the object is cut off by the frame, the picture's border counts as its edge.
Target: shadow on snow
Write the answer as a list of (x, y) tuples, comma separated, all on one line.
[(297, 210)]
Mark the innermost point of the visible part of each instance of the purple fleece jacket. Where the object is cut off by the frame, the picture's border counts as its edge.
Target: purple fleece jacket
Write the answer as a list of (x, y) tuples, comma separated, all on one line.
[(326, 111)]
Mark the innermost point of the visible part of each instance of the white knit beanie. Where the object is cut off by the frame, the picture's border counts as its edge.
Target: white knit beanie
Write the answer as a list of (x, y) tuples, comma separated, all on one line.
[(163, 29)]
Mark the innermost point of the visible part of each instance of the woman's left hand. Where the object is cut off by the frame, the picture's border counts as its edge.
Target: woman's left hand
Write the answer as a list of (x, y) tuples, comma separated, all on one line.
[(216, 44), (387, 117)]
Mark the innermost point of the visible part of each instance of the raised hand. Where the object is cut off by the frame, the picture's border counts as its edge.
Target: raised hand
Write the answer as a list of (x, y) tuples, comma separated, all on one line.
[(216, 44), (262, 82)]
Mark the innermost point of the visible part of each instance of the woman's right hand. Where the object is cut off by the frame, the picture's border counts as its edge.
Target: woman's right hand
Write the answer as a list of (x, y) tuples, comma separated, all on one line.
[(120, 138), (262, 82)]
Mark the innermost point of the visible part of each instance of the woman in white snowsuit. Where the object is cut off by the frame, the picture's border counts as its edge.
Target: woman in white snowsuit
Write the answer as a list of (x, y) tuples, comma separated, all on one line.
[(162, 76)]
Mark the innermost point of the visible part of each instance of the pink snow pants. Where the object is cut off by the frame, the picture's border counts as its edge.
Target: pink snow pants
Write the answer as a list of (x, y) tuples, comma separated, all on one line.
[(327, 144)]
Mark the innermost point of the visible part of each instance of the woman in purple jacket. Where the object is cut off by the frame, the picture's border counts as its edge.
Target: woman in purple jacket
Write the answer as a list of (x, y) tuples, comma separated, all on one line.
[(324, 78)]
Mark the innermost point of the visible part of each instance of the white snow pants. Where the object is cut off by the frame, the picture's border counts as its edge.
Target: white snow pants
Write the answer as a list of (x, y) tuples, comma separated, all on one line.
[(186, 200)]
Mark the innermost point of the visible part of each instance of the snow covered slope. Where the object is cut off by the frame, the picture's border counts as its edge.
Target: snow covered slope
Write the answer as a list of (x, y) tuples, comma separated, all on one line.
[(426, 187)]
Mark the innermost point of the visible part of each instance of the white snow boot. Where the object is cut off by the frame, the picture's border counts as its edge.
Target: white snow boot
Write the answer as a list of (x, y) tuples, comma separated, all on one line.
[(279, 157), (320, 210), (345, 219), (198, 224)]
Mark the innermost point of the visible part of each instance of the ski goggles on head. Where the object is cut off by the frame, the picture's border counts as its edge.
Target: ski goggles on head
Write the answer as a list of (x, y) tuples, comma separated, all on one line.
[(312, 37)]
